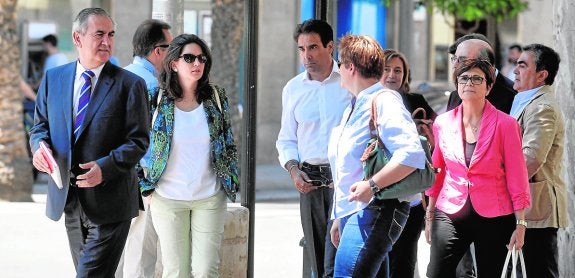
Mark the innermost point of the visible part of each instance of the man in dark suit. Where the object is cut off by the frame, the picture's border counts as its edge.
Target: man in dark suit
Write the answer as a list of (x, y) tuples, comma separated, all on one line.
[(474, 46), (93, 116)]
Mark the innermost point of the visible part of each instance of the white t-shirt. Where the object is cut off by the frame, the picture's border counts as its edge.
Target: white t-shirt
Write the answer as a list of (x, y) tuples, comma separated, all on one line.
[(188, 175)]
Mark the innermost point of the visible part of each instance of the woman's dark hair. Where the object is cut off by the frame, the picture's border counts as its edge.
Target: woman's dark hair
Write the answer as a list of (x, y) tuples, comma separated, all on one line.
[(169, 78), (480, 64)]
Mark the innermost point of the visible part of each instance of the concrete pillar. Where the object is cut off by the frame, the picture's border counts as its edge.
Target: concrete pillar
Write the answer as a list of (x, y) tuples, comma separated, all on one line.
[(235, 246), (564, 42), (127, 14)]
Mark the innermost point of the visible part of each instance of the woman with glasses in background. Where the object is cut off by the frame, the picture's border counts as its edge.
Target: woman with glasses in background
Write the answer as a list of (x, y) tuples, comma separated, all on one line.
[(481, 191), (193, 162)]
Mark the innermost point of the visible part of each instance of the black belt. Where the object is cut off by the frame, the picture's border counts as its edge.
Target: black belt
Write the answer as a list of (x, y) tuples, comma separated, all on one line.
[(319, 175)]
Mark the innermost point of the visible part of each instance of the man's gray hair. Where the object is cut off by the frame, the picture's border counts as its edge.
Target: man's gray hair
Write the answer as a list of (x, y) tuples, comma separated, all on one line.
[(80, 24)]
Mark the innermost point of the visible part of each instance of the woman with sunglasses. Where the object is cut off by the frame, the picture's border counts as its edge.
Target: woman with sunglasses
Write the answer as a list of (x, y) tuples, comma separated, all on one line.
[(193, 162), (481, 191)]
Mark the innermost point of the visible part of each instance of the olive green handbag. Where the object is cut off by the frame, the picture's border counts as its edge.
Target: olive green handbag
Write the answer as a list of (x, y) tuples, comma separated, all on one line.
[(376, 156)]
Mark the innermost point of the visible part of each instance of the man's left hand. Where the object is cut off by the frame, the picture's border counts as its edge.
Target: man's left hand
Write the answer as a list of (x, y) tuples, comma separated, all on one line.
[(91, 178)]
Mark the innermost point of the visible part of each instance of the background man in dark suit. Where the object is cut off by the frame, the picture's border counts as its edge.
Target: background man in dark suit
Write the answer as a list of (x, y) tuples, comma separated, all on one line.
[(475, 46), (94, 118)]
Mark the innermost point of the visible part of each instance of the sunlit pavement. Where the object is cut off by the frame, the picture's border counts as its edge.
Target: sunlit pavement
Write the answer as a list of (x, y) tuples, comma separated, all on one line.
[(31, 245)]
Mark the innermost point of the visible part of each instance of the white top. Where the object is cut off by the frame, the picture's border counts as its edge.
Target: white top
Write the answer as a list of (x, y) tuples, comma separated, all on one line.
[(396, 130), (310, 109), (188, 175), (79, 82)]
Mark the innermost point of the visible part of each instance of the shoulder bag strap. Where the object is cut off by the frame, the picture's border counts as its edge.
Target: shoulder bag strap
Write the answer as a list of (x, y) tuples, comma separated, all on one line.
[(373, 131), (160, 93), (217, 96)]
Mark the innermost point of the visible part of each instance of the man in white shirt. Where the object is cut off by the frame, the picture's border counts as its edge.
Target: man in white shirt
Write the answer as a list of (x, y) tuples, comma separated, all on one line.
[(312, 104)]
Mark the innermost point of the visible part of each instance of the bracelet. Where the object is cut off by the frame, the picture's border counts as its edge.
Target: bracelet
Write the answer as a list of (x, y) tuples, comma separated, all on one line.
[(521, 222), (373, 186)]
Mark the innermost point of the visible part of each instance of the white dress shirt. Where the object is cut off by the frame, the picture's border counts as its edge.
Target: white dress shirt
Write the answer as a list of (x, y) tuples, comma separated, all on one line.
[(310, 109), (396, 130)]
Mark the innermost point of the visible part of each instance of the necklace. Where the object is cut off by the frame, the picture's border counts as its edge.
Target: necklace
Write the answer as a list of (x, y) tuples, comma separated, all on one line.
[(474, 127)]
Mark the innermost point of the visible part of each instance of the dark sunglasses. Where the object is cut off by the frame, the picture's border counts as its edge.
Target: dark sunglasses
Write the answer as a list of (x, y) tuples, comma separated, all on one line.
[(190, 58), (162, 46)]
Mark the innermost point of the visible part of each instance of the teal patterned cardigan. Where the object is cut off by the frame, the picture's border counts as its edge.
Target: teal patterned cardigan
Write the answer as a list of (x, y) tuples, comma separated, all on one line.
[(224, 156)]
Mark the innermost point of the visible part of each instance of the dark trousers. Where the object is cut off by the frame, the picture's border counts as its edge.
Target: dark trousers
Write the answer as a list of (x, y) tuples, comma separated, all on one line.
[(315, 214), (96, 249), (403, 255), (452, 234), (541, 253)]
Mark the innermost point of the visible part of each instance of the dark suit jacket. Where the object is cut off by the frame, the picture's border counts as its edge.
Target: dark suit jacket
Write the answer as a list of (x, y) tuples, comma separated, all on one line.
[(501, 95), (114, 134), (414, 101)]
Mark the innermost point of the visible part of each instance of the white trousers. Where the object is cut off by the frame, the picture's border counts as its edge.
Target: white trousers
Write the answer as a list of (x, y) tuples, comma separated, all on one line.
[(184, 224), (141, 250)]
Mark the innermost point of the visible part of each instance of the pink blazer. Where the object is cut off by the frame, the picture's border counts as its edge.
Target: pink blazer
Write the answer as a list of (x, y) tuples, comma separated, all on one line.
[(496, 179)]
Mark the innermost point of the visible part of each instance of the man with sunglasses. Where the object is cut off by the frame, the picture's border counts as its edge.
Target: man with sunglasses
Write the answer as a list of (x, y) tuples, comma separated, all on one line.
[(150, 45), (476, 46), (312, 104)]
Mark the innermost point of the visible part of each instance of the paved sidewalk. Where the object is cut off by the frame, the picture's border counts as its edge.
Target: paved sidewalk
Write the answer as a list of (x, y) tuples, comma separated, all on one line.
[(31, 245)]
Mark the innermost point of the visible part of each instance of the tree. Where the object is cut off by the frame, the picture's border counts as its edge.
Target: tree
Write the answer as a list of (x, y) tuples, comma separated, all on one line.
[(474, 11), (15, 167), (227, 33)]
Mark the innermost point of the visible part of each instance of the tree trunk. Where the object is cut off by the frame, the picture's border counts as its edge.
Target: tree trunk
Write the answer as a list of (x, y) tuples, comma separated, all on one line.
[(227, 33), (15, 167), (564, 36)]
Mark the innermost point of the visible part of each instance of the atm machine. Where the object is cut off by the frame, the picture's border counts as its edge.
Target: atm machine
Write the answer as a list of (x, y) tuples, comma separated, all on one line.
[(32, 61)]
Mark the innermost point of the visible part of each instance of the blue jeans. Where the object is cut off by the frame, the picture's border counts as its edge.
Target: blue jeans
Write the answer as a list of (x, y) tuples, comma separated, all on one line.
[(367, 237)]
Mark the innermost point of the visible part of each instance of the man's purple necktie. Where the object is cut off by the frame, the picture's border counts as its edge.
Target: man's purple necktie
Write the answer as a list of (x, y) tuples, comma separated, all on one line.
[(83, 101)]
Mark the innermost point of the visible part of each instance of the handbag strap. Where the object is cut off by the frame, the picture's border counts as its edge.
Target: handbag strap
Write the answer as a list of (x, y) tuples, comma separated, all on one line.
[(217, 96), (419, 110), (514, 255), (159, 99), (373, 131)]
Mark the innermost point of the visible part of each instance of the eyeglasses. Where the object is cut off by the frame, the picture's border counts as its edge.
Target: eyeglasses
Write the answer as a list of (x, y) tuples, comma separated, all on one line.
[(454, 59), (475, 79), (162, 46), (190, 58)]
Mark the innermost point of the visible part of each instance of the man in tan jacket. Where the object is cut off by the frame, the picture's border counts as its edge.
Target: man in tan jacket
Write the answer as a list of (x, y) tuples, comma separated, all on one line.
[(543, 131)]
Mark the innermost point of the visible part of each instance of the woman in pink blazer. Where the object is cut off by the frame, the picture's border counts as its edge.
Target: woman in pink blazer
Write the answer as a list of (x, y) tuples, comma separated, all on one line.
[(482, 189)]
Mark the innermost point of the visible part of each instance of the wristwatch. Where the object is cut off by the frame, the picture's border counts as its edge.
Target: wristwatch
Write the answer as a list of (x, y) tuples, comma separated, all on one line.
[(373, 186), (521, 222)]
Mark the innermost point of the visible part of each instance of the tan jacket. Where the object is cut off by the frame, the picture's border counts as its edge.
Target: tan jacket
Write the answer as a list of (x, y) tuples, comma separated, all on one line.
[(543, 138)]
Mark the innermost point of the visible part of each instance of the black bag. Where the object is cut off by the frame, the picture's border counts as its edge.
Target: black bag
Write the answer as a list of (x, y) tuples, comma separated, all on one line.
[(376, 156)]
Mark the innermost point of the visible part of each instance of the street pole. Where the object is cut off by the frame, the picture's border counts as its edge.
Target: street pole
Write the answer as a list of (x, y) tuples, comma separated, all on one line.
[(248, 149)]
